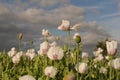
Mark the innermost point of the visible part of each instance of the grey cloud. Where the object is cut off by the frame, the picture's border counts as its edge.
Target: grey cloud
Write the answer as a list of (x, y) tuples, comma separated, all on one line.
[(8, 36), (11, 25), (9, 33), (34, 15), (31, 20)]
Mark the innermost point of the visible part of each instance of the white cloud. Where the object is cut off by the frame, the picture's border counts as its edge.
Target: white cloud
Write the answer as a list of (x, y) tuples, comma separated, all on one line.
[(32, 14), (54, 16), (110, 15), (93, 32), (41, 3), (92, 38)]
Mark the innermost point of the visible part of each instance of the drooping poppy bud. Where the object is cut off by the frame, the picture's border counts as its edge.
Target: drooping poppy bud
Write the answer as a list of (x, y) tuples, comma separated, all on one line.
[(20, 36)]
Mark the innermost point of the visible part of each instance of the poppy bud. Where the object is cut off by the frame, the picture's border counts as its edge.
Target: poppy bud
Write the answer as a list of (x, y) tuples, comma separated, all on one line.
[(77, 37), (20, 36)]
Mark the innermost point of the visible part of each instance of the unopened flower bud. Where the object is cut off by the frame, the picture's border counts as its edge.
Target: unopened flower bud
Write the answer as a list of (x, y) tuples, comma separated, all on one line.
[(77, 37), (20, 36), (57, 38), (93, 76), (31, 42)]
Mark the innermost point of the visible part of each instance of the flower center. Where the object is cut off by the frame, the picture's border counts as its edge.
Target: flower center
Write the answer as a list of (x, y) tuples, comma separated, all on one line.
[(49, 74), (55, 56), (44, 51)]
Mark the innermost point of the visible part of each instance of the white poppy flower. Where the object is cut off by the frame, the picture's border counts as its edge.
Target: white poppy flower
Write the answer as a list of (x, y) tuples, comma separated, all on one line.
[(103, 70), (55, 53), (99, 58), (19, 54), (111, 47), (64, 26), (99, 51), (50, 71), (46, 33), (53, 44), (76, 27), (107, 57), (116, 63), (27, 77), (30, 53), (43, 48), (82, 67), (12, 52), (84, 55), (15, 59), (32, 56)]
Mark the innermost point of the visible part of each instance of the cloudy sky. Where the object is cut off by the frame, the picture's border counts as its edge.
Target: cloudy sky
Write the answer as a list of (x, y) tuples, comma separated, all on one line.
[(99, 19)]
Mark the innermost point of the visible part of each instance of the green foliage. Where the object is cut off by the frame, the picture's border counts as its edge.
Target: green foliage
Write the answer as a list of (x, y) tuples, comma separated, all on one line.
[(66, 66), (102, 45)]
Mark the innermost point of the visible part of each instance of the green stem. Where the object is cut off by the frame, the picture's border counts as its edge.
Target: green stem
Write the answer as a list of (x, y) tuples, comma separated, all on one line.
[(117, 75), (110, 73), (106, 76), (47, 78), (19, 44), (7, 66), (77, 56), (47, 61), (2, 74), (46, 39), (69, 54), (81, 77), (69, 39)]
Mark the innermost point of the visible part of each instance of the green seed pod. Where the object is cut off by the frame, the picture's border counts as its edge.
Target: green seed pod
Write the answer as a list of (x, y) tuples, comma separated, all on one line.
[(78, 39)]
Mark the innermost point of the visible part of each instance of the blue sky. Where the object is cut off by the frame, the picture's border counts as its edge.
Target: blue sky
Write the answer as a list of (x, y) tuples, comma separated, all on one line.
[(99, 19), (105, 12)]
